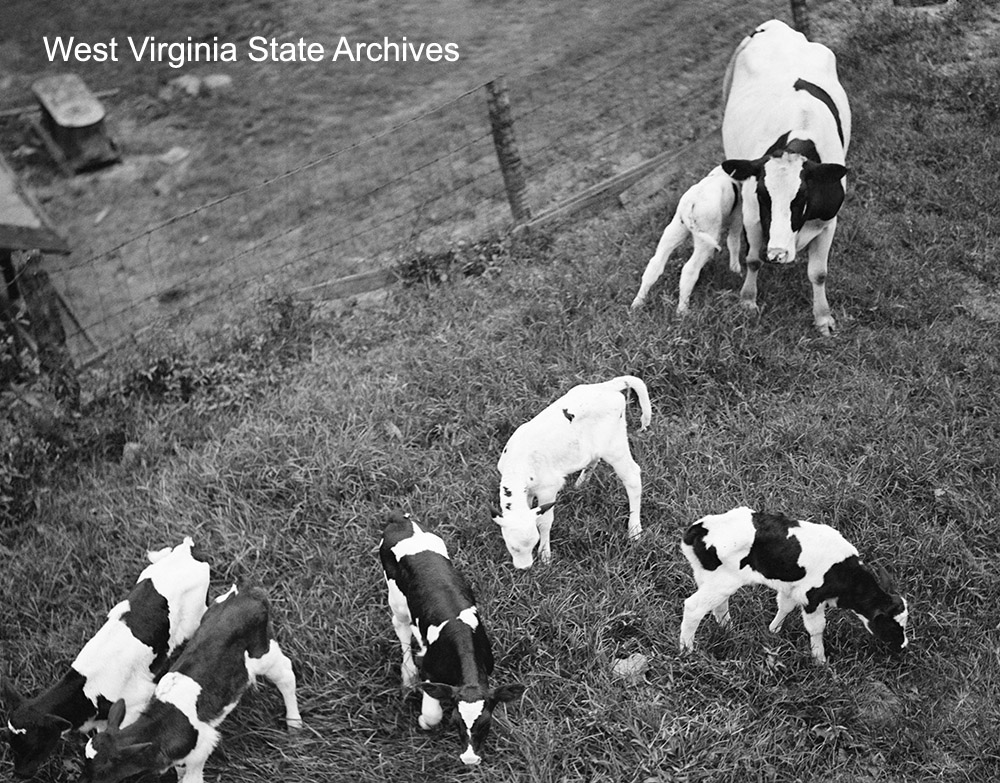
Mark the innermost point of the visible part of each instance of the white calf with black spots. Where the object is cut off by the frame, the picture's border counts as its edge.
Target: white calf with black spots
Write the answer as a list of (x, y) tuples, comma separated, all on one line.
[(583, 427), (121, 661), (809, 565), (433, 604), (785, 131)]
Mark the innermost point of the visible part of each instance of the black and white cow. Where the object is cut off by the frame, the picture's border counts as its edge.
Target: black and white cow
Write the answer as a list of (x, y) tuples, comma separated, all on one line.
[(785, 132), (433, 604), (178, 728), (811, 566), (583, 427), (121, 661)]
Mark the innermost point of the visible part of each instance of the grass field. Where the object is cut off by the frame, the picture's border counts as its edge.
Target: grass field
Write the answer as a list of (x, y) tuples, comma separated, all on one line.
[(283, 452)]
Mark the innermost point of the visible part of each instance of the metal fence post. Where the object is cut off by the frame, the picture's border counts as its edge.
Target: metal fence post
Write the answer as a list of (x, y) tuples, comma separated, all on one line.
[(502, 123)]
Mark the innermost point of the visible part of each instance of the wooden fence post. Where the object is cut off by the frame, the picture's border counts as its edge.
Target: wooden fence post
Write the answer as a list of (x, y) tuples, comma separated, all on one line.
[(42, 301), (800, 17), (502, 123)]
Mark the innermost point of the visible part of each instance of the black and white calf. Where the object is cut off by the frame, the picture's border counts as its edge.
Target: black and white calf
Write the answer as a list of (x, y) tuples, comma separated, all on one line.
[(811, 566), (433, 604), (121, 661), (178, 728), (785, 131), (583, 427)]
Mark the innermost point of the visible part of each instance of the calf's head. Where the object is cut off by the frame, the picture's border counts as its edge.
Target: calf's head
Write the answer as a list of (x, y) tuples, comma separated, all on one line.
[(472, 712), (792, 187), (32, 735), (519, 528), (113, 755), (886, 615)]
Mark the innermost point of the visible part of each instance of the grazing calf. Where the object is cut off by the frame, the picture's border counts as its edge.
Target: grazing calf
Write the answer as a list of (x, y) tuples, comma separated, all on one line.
[(703, 212), (121, 661), (581, 428), (811, 566), (432, 602), (785, 131), (178, 728)]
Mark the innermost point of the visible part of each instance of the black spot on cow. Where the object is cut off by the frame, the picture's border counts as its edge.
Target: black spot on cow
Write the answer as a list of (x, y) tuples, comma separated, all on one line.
[(694, 537), (507, 493), (822, 95), (569, 416), (774, 553), (148, 618)]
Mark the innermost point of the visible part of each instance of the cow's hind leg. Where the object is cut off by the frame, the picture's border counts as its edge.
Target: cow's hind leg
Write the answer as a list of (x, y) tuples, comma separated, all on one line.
[(691, 271), (275, 666), (672, 236)]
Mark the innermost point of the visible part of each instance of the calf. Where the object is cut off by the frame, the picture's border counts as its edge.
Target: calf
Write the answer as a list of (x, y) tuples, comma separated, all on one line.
[(811, 566), (704, 213), (431, 602), (178, 728), (785, 131), (121, 661), (581, 428)]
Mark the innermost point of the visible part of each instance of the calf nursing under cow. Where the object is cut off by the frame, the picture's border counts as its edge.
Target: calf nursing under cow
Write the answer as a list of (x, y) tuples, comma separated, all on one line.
[(786, 128)]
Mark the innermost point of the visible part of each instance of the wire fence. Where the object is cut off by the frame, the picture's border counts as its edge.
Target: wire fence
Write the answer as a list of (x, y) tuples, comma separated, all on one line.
[(426, 183)]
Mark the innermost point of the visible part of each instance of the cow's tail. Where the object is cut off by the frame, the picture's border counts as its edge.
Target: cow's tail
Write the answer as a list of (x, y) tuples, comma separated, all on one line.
[(639, 387)]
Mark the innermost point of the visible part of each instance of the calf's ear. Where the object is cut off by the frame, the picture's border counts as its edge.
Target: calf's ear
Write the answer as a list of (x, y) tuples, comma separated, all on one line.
[(116, 715), (438, 690), (546, 507), (740, 169), (57, 723), (11, 697), (510, 692)]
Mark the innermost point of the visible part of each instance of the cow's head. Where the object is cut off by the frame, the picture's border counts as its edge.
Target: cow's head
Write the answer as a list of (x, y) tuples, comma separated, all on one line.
[(792, 187), (113, 755), (472, 711), (520, 531), (32, 735)]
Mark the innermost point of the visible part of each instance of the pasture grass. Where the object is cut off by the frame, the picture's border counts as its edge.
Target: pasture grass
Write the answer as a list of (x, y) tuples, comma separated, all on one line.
[(283, 453)]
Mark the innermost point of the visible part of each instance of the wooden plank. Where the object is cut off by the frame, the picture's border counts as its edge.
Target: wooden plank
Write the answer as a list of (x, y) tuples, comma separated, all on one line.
[(352, 285), (23, 223), (612, 187), (27, 238)]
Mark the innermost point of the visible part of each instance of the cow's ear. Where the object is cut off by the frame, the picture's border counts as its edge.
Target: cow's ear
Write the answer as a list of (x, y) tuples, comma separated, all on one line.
[(542, 509), (508, 692), (116, 715), (826, 172), (740, 169), (11, 697), (438, 690)]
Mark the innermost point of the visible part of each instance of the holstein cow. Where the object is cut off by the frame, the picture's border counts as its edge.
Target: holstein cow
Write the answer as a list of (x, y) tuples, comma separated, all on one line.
[(581, 428), (121, 661), (704, 212), (178, 728), (432, 603), (811, 566), (785, 132)]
